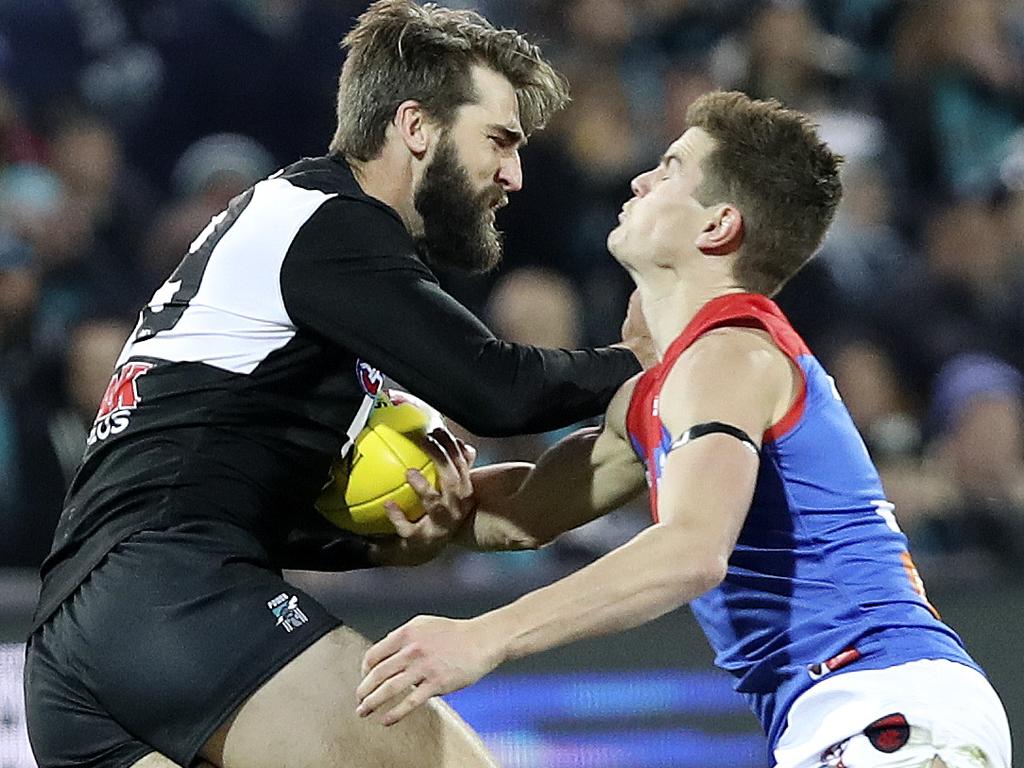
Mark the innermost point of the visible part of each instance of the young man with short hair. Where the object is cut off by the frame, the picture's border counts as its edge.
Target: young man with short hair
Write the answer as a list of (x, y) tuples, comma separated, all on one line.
[(769, 517)]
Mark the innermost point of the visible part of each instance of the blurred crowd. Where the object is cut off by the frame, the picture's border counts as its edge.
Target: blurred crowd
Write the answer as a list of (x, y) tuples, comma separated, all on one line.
[(124, 126)]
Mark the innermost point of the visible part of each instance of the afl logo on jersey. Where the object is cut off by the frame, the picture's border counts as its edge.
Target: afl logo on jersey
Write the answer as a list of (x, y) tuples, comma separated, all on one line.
[(370, 379), (120, 399)]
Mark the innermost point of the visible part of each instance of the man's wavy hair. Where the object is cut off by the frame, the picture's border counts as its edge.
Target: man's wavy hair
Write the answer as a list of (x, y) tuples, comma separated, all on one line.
[(400, 50), (770, 163)]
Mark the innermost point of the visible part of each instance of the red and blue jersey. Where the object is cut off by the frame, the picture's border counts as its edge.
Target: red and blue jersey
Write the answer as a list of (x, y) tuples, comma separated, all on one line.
[(821, 581)]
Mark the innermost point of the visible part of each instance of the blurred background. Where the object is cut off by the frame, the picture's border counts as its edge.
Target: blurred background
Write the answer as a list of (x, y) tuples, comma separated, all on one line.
[(126, 124)]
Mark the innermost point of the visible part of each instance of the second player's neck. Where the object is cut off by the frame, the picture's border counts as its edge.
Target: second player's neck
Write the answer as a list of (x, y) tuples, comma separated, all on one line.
[(669, 310)]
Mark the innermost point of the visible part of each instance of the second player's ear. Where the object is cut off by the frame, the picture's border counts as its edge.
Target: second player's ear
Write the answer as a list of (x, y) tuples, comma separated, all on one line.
[(413, 127), (723, 233)]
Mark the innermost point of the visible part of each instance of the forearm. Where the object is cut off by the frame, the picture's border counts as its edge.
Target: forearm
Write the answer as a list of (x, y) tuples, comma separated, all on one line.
[(496, 389), (656, 572), (493, 526), (446, 356), (520, 506)]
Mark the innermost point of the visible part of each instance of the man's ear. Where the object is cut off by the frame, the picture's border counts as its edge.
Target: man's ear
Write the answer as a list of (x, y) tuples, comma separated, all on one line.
[(723, 233), (412, 125)]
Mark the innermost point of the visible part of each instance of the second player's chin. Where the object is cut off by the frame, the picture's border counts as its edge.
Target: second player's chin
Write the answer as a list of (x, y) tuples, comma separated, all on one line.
[(616, 242)]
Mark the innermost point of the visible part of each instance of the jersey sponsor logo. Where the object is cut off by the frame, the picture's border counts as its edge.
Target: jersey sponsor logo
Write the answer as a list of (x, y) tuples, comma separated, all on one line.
[(370, 378), (120, 399), (286, 608)]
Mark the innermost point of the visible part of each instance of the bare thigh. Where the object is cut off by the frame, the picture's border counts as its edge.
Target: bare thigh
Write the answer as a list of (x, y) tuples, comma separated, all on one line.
[(304, 716)]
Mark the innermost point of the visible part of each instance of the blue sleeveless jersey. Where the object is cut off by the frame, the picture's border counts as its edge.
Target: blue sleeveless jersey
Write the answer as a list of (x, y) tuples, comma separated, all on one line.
[(820, 582)]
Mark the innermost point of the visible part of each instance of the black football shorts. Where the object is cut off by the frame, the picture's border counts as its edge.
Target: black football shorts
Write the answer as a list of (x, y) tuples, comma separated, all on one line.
[(168, 636)]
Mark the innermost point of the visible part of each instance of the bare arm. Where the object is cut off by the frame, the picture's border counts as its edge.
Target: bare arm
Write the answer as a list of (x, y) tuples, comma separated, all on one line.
[(585, 475), (734, 376)]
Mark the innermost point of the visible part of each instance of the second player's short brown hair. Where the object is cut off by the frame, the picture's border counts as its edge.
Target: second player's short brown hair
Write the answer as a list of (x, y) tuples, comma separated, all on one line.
[(770, 162), (400, 50)]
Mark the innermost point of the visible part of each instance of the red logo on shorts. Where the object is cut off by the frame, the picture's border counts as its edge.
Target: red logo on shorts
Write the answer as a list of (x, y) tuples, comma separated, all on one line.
[(120, 399), (889, 733)]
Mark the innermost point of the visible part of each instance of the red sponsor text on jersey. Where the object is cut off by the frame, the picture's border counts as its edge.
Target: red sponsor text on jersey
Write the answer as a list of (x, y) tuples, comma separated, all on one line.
[(120, 399), (122, 391)]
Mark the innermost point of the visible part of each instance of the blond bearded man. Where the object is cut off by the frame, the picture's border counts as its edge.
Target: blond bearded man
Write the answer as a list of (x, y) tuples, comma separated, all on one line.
[(165, 633)]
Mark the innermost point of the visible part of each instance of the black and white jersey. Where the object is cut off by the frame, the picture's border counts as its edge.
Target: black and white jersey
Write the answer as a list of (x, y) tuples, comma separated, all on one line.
[(257, 363)]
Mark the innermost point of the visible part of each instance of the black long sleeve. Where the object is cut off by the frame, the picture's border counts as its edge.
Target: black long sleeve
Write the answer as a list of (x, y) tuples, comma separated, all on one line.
[(395, 316)]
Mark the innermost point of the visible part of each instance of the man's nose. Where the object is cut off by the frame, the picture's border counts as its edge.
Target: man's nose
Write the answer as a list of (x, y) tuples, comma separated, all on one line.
[(510, 173), (641, 184)]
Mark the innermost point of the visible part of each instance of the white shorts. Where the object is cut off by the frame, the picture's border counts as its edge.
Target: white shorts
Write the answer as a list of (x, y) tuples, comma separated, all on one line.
[(950, 710)]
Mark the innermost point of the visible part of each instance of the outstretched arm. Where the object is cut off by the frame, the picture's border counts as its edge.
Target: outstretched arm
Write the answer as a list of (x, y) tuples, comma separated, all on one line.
[(438, 351), (583, 476), (736, 377)]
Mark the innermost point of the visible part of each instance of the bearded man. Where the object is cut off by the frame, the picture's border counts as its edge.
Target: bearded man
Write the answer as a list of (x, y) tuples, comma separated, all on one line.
[(165, 634)]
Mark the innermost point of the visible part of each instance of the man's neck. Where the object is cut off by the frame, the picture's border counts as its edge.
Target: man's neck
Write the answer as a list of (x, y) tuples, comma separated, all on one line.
[(669, 308)]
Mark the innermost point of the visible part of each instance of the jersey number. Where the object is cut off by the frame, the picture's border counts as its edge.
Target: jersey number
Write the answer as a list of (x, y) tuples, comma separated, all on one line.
[(185, 280), (886, 510)]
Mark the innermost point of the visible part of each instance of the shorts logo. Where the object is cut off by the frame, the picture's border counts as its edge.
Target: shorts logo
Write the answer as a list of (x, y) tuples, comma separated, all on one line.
[(370, 378), (842, 659), (889, 734), (120, 399), (287, 610)]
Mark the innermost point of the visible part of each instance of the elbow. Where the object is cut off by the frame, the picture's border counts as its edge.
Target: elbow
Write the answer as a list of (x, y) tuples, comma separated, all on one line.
[(677, 585), (706, 573), (698, 566), (696, 575)]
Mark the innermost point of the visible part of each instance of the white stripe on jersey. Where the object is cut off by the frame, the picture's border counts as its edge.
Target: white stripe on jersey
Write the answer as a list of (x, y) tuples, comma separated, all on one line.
[(238, 317)]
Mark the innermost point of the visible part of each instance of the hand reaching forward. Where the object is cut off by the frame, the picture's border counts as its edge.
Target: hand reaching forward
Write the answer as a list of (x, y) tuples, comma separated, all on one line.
[(445, 508), (426, 657)]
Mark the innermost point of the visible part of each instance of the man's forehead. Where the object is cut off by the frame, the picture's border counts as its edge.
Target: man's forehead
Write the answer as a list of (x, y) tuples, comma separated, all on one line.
[(497, 98), (695, 142)]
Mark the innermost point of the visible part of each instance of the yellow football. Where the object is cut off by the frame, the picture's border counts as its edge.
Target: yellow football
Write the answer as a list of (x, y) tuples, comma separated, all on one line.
[(373, 472)]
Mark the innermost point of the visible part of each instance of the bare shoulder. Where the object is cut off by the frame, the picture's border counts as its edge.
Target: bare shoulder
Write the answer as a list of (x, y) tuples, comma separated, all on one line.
[(728, 366), (739, 344), (734, 350)]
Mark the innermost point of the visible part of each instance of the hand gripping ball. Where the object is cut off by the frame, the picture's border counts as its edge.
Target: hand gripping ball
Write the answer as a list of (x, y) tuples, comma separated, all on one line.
[(373, 472)]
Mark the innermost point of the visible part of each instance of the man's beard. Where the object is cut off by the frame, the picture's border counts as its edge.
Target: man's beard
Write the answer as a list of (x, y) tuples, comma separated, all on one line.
[(458, 229)]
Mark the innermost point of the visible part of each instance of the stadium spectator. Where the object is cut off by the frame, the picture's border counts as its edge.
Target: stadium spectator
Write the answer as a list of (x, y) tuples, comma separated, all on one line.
[(957, 95), (210, 172), (966, 295)]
